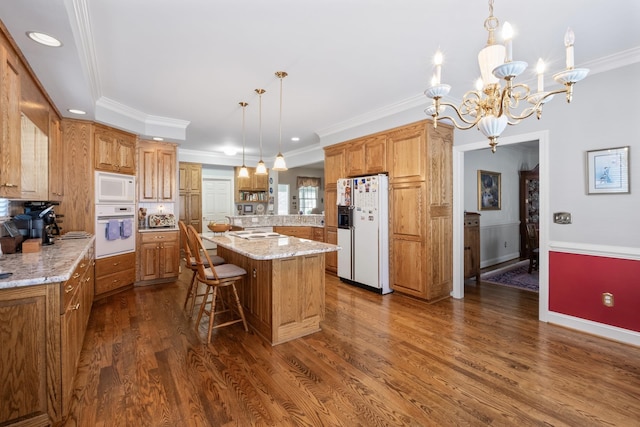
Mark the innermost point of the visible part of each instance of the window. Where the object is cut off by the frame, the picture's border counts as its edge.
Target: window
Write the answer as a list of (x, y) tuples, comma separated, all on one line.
[(283, 199), (4, 208), (308, 197)]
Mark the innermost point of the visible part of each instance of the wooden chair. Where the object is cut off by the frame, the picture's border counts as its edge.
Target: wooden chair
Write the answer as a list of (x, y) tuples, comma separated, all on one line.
[(190, 262), (215, 278), (534, 251)]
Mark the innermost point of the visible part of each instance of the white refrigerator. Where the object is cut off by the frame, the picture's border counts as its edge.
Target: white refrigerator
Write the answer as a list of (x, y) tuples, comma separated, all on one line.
[(364, 236)]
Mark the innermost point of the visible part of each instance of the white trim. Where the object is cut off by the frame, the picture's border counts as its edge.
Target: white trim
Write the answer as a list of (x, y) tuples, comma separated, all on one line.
[(458, 224), (595, 328), (620, 252)]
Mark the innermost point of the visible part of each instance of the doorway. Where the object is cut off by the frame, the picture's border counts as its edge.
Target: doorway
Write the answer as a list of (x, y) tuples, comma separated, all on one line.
[(458, 215), (217, 202)]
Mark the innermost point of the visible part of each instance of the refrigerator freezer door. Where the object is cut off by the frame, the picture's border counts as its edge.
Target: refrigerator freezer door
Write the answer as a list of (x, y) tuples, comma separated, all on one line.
[(365, 252), (344, 255)]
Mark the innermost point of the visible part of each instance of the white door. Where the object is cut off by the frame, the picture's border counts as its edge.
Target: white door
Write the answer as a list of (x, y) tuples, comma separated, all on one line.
[(217, 201)]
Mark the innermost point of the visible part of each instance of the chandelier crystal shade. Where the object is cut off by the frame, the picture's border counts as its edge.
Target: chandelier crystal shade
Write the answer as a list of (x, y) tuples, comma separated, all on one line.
[(280, 164), (261, 169), (243, 172), (491, 107)]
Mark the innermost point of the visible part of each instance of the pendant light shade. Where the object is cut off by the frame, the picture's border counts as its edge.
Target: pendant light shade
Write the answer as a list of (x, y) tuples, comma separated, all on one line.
[(244, 172), (279, 164), (261, 169)]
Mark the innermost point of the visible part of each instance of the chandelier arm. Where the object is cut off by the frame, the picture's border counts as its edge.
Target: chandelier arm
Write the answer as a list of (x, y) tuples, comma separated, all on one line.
[(460, 116), (528, 112)]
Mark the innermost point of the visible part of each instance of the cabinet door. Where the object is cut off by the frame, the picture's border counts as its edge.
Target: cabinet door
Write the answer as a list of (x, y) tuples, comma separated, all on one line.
[(260, 182), (169, 258), (9, 126), (354, 159), (34, 155), (126, 154), (147, 176), (333, 166), (149, 260), (375, 155), (407, 154), (330, 207), (194, 206), (332, 257), (105, 151), (242, 183), (195, 178), (56, 160), (167, 174)]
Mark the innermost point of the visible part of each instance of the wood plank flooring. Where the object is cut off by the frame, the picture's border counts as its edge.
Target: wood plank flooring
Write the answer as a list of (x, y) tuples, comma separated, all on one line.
[(379, 361)]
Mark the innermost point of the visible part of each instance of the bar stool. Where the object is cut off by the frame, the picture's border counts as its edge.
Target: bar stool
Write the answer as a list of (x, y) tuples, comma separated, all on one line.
[(216, 277), (190, 262)]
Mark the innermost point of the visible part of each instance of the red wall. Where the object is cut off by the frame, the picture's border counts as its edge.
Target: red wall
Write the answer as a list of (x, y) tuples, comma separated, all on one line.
[(577, 282)]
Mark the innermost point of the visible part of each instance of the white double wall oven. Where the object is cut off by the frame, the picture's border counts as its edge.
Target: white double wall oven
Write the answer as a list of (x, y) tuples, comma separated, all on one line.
[(115, 214)]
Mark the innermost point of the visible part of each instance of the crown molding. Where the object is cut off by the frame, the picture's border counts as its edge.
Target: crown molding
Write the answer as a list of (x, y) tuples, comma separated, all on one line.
[(80, 23)]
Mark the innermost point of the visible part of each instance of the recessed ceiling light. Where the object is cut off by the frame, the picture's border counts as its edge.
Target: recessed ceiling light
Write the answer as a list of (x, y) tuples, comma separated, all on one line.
[(295, 139), (44, 39), (230, 151), (74, 111), (157, 138)]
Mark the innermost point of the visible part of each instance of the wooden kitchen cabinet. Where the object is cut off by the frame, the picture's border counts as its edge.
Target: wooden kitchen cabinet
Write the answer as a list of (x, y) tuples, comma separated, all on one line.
[(56, 160), (334, 167), (156, 172), (44, 326), (115, 150), (331, 236), (159, 255), (366, 156), (10, 155), (317, 234), (255, 188), (114, 274), (34, 161), (472, 245), (190, 197), (301, 232)]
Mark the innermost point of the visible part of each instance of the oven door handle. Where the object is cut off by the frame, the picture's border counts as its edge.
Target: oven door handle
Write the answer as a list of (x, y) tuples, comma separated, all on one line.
[(105, 219)]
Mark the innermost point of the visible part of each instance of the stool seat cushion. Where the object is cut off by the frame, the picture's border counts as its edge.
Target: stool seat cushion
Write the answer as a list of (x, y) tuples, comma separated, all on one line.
[(225, 271), (215, 259)]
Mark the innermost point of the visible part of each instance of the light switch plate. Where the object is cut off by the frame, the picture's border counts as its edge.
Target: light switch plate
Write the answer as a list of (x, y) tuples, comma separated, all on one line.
[(562, 218)]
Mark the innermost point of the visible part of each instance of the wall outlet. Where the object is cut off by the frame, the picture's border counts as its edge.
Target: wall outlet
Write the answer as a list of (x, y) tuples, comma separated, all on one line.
[(505, 244), (254, 219), (607, 299)]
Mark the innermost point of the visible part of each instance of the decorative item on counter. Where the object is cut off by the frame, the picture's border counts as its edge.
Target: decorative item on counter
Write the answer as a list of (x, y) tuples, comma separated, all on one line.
[(162, 220), (219, 227), (142, 213)]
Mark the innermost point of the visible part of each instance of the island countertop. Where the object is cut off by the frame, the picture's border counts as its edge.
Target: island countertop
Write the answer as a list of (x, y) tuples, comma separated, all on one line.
[(53, 264), (271, 247)]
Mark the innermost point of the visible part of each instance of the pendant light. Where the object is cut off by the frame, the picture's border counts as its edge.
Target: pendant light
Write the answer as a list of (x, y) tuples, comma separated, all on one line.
[(279, 164), (261, 169), (244, 172)]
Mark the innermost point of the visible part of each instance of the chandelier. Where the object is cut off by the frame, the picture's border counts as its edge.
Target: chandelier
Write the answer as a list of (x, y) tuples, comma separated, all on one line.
[(491, 107)]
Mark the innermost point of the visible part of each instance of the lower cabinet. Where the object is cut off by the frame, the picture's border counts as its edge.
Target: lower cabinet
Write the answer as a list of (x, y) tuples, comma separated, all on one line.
[(332, 257), (301, 232), (44, 327), (115, 273), (159, 255), (472, 245)]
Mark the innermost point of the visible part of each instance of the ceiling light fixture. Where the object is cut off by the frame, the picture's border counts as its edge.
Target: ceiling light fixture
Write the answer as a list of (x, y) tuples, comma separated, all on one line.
[(244, 172), (44, 39), (491, 107), (261, 169), (280, 164), (75, 111)]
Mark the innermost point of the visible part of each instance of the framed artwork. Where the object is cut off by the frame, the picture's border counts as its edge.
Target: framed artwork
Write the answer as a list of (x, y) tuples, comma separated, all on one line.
[(608, 171), (248, 208), (489, 191)]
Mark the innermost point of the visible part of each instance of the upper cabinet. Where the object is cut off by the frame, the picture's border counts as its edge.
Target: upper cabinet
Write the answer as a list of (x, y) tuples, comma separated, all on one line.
[(157, 172), (114, 150), (56, 160), (366, 157), (333, 166), (34, 146), (9, 126), (252, 189)]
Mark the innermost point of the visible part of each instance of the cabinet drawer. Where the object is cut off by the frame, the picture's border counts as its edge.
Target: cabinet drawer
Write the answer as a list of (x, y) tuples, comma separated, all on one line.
[(115, 281), (161, 236), (471, 222), (114, 264), (68, 288)]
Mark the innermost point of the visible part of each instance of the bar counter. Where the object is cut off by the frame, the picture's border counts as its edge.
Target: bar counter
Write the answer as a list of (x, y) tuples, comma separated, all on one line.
[(284, 290)]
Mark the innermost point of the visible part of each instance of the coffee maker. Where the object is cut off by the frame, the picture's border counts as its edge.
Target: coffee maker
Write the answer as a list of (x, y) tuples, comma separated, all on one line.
[(43, 221)]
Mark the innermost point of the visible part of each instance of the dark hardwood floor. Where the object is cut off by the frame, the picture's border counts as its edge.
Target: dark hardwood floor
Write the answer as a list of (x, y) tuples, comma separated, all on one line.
[(379, 361)]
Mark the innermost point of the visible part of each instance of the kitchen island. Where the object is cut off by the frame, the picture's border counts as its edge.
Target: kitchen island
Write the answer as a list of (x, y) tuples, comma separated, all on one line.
[(283, 292)]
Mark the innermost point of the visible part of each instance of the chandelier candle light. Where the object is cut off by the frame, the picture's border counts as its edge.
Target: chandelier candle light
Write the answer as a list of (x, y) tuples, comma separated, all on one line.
[(244, 172), (261, 169), (279, 164), (490, 106)]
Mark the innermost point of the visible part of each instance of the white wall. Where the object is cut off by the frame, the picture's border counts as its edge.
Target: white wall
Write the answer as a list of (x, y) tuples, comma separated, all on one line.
[(290, 176)]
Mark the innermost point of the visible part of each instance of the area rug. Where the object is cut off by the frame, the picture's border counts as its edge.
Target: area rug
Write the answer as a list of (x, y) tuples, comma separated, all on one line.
[(514, 276)]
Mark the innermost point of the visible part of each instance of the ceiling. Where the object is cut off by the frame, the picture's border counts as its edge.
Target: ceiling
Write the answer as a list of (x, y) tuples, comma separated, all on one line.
[(178, 69)]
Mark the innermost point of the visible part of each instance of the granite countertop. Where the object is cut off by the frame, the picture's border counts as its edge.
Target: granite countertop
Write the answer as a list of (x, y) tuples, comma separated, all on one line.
[(250, 221), (271, 247), (54, 263)]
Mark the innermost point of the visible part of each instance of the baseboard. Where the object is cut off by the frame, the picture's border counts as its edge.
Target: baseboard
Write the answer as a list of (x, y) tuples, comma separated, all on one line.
[(499, 260), (605, 331)]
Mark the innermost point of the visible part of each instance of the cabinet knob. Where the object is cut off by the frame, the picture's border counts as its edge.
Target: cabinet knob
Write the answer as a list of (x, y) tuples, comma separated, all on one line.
[(68, 289), (255, 274), (6, 184), (116, 263), (75, 307), (75, 276)]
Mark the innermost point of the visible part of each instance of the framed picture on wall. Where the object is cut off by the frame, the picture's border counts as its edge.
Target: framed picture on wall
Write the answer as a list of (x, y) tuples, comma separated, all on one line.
[(608, 171), (489, 191), (248, 208)]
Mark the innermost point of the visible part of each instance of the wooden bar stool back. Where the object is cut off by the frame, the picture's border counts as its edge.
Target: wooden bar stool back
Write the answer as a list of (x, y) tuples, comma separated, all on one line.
[(190, 262), (215, 278)]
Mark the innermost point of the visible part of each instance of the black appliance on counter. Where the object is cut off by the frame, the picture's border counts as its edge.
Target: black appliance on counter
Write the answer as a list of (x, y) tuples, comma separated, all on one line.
[(38, 221)]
